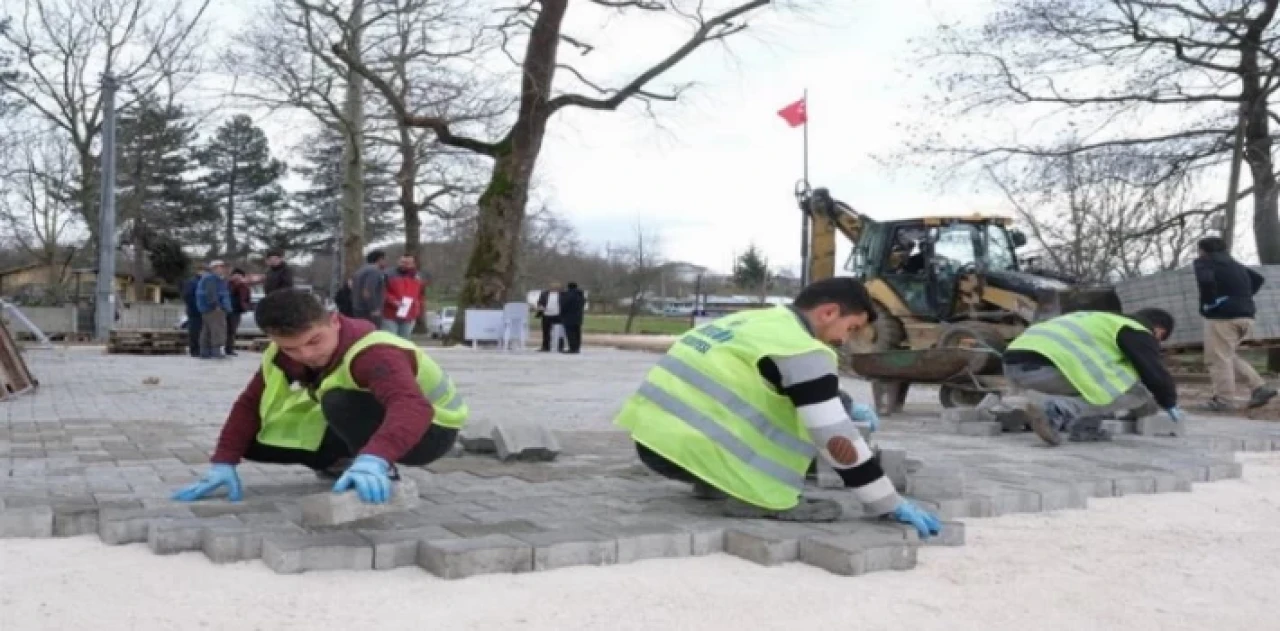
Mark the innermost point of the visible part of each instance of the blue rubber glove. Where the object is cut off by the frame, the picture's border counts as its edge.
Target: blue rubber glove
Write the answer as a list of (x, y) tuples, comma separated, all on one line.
[(926, 523), (370, 475), (864, 413), (219, 475), (1175, 414)]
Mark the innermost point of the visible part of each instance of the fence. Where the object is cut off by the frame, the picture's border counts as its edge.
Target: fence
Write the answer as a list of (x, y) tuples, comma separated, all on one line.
[(1176, 292), (72, 321)]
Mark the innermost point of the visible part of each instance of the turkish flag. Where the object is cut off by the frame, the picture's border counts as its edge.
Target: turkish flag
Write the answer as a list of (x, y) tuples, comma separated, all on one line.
[(795, 114)]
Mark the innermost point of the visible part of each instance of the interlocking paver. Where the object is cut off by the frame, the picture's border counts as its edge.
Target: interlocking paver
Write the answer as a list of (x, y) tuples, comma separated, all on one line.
[(95, 452)]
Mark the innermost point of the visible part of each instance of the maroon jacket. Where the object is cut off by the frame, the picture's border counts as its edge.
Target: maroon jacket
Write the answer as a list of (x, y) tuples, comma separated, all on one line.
[(388, 372)]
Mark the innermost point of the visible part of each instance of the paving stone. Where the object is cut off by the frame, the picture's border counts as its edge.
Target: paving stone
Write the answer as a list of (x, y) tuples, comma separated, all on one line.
[(706, 538), (332, 509), (1158, 425), (511, 527), (894, 464), (116, 527), (72, 518), (525, 442), (983, 428), (965, 415), (291, 554), (951, 535), (1134, 485), (229, 544), (854, 555), (636, 543), (1224, 471), (26, 522), (460, 558), (171, 536), (565, 548), (766, 544), (477, 437), (399, 548), (936, 483), (1119, 427), (827, 476)]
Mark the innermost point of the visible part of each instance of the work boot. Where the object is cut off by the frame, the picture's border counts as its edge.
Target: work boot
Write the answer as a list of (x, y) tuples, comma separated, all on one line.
[(1217, 404), (1044, 419), (1261, 396), (808, 510), (704, 491)]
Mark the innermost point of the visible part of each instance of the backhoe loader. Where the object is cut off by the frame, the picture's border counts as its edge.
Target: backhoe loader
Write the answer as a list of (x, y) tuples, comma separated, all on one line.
[(949, 293)]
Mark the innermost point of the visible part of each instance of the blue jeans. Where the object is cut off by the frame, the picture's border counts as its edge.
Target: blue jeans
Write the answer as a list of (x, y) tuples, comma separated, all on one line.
[(403, 328)]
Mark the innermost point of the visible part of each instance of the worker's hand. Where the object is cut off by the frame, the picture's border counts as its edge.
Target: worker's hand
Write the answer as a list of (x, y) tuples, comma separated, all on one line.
[(926, 523), (219, 475), (1175, 414), (370, 475), (863, 413)]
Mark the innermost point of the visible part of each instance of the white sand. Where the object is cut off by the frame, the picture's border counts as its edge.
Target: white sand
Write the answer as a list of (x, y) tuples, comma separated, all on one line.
[(1205, 560)]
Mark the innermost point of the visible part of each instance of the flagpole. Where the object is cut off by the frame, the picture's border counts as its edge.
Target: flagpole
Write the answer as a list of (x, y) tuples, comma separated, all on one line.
[(804, 217)]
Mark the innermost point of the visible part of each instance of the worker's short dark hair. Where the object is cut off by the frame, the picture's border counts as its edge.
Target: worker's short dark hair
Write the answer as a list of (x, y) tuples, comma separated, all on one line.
[(271, 253), (375, 256), (849, 293), (237, 271), (290, 311), (1212, 245), (1152, 318)]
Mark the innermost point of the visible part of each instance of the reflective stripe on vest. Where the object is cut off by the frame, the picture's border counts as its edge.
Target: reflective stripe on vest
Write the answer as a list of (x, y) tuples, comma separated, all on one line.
[(1082, 346)]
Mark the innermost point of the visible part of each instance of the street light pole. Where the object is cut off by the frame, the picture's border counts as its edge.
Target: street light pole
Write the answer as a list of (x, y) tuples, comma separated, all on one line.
[(104, 313)]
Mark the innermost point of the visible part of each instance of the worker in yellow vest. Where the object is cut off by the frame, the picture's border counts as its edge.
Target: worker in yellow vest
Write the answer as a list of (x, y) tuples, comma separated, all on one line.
[(1087, 366), (338, 396), (742, 406)]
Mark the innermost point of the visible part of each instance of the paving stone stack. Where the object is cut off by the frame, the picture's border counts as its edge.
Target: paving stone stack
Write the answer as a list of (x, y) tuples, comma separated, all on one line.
[(1176, 292)]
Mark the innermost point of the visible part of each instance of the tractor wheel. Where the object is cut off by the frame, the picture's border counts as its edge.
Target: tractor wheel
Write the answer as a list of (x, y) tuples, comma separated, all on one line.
[(975, 335), (951, 397)]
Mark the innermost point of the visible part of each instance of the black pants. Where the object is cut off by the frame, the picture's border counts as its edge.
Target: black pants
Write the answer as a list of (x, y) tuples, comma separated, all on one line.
[(548, 322), (195, 323), (233, 324), (353, 417), (574, 334)]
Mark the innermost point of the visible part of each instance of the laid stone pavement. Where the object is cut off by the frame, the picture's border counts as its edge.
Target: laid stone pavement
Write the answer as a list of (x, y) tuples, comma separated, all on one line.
[(98, 451)]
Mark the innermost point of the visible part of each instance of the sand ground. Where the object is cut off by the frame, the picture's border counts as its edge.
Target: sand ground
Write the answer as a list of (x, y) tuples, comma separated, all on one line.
[(1209, 559)]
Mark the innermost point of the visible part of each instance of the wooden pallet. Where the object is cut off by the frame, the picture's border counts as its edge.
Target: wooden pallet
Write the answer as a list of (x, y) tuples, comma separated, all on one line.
[(147, 342), (15, 376)]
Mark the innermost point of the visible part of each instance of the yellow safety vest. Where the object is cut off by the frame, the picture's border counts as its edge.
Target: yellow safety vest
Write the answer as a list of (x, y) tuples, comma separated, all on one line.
[(1082, 346), (291, 415), (706, 408)]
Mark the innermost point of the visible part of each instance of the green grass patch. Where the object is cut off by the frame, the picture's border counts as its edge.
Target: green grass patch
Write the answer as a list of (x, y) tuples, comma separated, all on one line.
[(614, 324)]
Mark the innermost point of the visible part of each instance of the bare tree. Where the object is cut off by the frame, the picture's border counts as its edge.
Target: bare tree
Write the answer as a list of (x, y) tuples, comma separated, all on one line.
[(60, 48), (1165, 81), (492, 269), (642, 267), (37, 206)]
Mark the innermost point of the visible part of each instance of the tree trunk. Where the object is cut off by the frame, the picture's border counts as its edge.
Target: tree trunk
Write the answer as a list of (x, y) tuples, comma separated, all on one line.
[(1266, 222), (88, 197), (407, 178), (491, 270), (229, 234), (139, 262), (631, 312), (353, 154)]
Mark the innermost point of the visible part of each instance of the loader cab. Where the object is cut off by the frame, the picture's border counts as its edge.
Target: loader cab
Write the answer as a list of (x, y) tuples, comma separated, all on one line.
[(927, 262)]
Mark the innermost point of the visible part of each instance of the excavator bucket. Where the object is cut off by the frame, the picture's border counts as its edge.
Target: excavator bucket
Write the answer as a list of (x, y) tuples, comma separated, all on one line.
[(934, 365)]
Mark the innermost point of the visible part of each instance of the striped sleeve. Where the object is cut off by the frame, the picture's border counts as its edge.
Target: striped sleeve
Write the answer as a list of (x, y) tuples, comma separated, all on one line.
[(810, 381)]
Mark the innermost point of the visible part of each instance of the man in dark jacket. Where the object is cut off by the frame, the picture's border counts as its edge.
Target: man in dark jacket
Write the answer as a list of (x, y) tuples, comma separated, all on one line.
[(279, 276), (241, 301), (1083, 367), (1226, 302), (194, 323), (572, 305), (548, 309), (369, 288)]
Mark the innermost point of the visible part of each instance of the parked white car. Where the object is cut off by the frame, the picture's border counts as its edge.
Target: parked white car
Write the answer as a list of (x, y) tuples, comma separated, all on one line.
[(441, 326)]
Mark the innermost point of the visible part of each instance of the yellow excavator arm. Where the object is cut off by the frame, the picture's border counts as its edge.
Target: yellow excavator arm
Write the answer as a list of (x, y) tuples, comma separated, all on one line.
[(826, 216)]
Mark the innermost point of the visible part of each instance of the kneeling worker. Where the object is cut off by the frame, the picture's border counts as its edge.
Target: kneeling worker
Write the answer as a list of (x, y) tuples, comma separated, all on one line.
[(741, 407), (1089, 365), (338, 396)]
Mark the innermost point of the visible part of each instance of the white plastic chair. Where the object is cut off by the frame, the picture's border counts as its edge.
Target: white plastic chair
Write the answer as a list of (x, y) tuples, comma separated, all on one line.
[(515, 325)]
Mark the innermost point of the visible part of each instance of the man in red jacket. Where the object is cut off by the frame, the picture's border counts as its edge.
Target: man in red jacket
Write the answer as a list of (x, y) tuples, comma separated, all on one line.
[(405, 294), (337, 396)]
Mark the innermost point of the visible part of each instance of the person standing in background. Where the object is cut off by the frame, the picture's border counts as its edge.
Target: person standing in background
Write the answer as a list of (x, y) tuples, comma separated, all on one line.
[(343, 300), (194, 324), (1226, 302), (241, 301), (403, 303), (214, 301), (369, 288), (572, 306), (279, 276), (549, 311)]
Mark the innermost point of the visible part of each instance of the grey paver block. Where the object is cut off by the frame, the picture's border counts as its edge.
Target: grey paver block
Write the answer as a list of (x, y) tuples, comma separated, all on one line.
[(399, 548), (73, 518), (116, 527), (894, 464), (936, 483), (964, 415), (853, 555), (1158, 425), (477, 437), (229, 544), (171, 536), (332, 509), (1134, 485), (509, 527), (24, 522), (291, 554), (706, 538), (981, 428), (636, 543), (460, 558), (952, 534), (1119, 427), (525, 442), (827, 476), (569, 547), (1224, 471), (765, 544)]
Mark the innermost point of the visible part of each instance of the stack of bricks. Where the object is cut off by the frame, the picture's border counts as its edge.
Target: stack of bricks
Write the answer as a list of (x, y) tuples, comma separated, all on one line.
[(1176, 292)]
